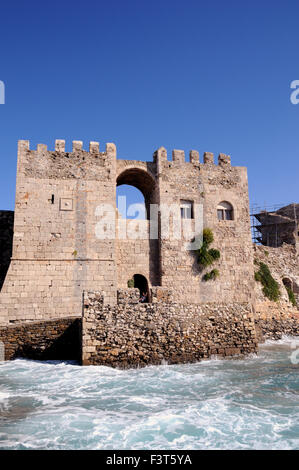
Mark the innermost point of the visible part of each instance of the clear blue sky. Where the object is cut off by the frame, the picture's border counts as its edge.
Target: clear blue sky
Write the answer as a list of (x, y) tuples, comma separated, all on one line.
[(213, 76)]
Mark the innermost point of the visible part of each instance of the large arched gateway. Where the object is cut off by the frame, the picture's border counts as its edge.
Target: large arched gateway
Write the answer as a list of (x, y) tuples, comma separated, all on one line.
[(141, 179), (136, 251)]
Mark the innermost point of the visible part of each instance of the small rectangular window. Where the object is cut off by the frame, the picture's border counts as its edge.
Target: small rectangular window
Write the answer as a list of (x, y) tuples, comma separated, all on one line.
[(187, 210)]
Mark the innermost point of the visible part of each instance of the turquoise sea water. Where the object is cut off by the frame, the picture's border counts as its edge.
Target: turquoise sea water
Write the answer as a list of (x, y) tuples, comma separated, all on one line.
[(250, 403)]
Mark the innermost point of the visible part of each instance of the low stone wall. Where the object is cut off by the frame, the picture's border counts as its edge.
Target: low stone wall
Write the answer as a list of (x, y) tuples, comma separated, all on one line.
[(273, 321), (55, 339), (128, 296), (161, 294), (131, 335)]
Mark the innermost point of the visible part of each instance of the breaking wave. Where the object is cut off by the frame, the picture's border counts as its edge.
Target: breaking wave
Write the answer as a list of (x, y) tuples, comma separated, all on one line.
[(247, 403)]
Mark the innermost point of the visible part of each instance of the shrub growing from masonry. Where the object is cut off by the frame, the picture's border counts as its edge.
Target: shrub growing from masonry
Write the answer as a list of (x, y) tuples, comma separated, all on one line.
[(211, 275), (131, 283), (270, 286), (291, 296), (206, 256)]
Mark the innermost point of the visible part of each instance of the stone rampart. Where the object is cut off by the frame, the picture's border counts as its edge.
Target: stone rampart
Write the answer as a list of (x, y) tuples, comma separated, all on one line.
[(273, 322), (133, 334)]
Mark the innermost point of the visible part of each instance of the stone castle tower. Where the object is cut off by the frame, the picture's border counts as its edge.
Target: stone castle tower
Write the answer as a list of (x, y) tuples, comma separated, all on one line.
[(56, 254)]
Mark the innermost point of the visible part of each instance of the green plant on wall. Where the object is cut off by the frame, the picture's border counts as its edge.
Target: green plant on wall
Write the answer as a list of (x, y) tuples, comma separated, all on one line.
[(291, 296), (131, 283), (270, 286), (212, 275), (207, 256)]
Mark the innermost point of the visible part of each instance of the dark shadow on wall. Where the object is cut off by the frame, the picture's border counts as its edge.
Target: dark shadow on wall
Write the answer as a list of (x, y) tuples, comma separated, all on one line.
[(49, 340), (140, 282), (6, 239)]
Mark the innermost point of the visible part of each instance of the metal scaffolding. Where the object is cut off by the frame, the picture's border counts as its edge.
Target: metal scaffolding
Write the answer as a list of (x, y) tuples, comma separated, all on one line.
[(268, 223)]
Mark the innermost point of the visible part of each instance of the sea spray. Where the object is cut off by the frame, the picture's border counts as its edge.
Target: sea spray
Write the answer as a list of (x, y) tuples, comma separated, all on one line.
[(249, 403)]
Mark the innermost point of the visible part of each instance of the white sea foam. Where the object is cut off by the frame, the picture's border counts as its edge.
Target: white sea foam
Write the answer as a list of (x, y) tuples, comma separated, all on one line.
[(248, 403), (4, 395), (284, 340)]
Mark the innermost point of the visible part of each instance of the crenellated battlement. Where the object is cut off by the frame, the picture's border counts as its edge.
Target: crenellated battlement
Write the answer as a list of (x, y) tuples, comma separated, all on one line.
[(77, 146), (178, 157), (97, 165), (159, 156), (42, 163)]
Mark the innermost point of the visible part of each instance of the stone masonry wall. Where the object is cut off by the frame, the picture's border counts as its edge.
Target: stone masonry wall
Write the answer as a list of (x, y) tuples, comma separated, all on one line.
[(224, 182), (283, 263), (6, 237), (56, 253), (274, 322), (56, 339), (133, 334), (207, 184), (274, 319)]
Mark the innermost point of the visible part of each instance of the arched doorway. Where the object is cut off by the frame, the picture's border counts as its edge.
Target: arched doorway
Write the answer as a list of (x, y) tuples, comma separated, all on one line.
[(290, 287), (140, 282), (287, 283), (141, 180)]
